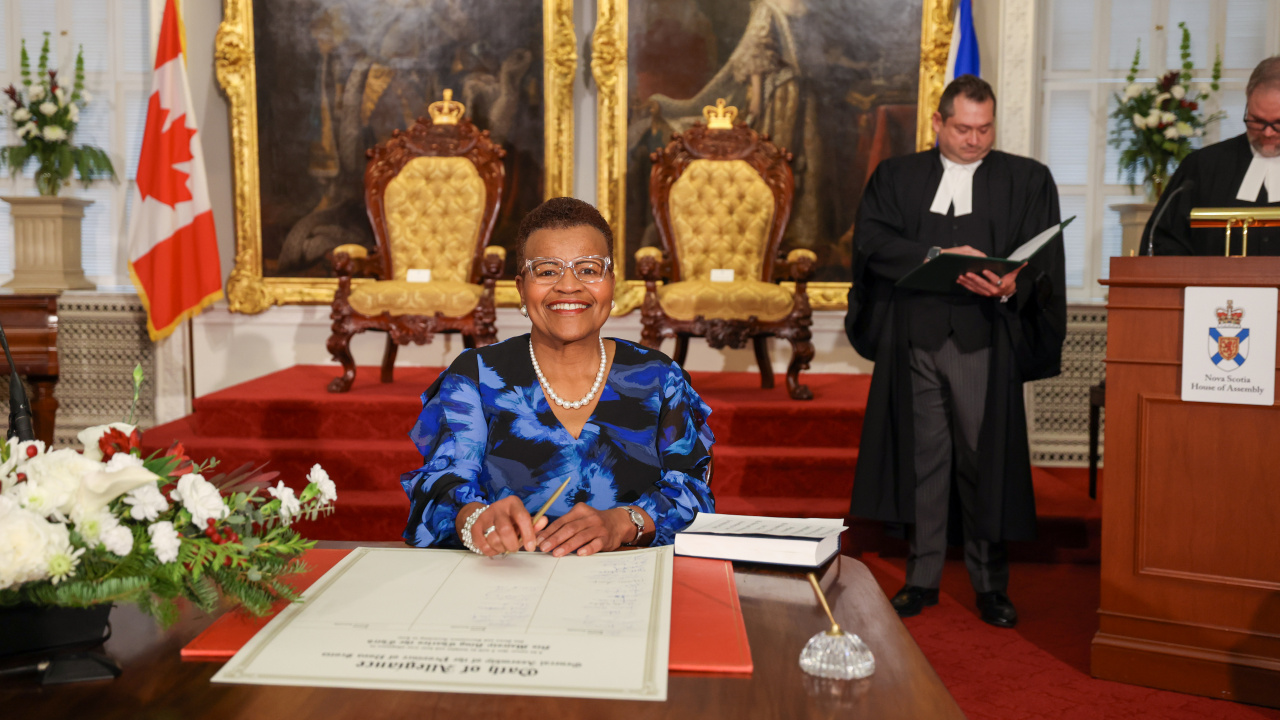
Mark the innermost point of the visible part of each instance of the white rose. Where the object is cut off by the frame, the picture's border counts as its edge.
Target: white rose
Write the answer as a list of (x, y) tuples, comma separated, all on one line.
[(289, 505), (1178, 92), (1160, 98), (1168, 118), (1185, 129), (1171, 132), (28, 130), (36, 94), (147, 502), (200, 498), (118, 540), (1153, 118), (328, 490), (21, 115), (1139, 122), (53, 133), (1133, 90), (73, 113), (165, 541), (89, 437), (47, 108), (61, 95), (28, 541), (59, 475)]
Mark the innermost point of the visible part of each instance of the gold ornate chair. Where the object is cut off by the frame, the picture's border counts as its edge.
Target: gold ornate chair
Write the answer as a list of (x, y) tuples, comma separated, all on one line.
[(721, 196), (432, 194)]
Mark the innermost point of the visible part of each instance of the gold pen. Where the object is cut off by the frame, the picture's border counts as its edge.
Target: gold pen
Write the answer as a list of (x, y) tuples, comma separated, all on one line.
[(542, 511)]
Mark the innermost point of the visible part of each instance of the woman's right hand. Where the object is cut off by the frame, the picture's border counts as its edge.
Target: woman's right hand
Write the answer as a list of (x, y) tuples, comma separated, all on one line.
[(510, 521)]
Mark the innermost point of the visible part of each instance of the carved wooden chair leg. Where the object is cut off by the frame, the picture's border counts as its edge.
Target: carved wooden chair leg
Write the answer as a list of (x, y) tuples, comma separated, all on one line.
[(650, 335), (761, 343), (389, 359), (339, 346), (801, 354), (682, 349)]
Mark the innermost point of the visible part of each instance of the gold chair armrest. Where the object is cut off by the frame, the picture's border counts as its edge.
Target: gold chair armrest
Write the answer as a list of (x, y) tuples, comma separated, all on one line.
[(801, 262), (649, 261), (492, 262), (353, 260)]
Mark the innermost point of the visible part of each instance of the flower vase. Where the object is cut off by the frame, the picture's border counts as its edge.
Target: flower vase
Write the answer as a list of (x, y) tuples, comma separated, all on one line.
[(46, 243), (31, 629)]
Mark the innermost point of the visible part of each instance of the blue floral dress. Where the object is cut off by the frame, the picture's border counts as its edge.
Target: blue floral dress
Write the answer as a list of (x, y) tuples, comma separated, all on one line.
[(487, 431)]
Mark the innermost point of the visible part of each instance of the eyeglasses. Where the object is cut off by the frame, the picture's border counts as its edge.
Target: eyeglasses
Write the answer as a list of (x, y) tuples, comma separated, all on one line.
[(588, 269), (1257, 125)]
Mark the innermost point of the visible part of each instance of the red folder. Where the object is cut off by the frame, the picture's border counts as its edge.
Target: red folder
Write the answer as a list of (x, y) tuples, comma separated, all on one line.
[(707, 630)]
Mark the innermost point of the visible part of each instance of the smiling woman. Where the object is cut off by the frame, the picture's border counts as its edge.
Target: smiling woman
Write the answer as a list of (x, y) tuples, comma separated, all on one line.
[(506, 425)]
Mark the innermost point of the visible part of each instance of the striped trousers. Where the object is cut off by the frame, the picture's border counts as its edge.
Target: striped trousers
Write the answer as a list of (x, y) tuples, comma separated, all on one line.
[(949, 395)]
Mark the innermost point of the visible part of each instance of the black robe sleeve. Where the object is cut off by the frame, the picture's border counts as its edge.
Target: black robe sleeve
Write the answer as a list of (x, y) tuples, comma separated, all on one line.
[(879, 249), (1037, 314)]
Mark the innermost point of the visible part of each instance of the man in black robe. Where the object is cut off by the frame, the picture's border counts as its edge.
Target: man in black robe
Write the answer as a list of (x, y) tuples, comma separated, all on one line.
[(1241, 172), (946, 428)]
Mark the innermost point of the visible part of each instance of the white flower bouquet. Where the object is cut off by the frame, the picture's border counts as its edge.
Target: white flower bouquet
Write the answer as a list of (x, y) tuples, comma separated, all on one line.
[(45, 115), (80, 528), (1154, 123)]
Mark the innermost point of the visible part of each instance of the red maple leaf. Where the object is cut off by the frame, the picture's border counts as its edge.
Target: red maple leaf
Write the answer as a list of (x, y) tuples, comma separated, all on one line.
[(161, 150)]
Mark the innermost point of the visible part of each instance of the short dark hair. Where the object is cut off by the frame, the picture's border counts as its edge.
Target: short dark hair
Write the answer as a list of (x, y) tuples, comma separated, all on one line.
[(560, 214), (1267, 73), (970, 86)]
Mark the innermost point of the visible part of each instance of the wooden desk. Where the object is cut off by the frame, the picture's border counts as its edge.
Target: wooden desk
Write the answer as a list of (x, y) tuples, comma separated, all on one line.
[(780, 612), (31, 326)]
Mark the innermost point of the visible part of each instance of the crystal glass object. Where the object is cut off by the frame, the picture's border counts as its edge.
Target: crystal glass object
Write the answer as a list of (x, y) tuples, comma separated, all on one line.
[(837, 655)]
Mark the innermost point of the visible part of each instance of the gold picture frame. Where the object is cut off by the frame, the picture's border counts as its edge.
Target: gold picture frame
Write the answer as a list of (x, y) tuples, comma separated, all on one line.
[(609, 68), (248, 291)]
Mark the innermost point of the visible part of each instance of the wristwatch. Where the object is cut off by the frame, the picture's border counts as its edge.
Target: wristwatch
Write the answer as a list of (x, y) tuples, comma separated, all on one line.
[(636, 519), (934, 252)]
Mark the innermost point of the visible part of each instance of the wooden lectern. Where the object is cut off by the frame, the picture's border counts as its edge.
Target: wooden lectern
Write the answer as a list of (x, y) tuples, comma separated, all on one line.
[(1190, 595)]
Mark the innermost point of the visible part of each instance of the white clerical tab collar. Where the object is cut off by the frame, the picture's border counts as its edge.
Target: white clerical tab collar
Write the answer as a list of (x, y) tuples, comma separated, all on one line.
[(1262, 171), (956, 188)]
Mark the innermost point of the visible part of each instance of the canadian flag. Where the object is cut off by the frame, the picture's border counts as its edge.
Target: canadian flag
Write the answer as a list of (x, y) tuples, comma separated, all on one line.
[(173, 247)]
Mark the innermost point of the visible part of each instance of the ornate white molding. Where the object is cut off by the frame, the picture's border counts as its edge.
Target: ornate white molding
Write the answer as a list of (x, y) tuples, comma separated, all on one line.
[(1017, 78)]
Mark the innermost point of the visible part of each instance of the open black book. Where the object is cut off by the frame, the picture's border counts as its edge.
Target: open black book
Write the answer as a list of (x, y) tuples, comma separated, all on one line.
[(939, 274)]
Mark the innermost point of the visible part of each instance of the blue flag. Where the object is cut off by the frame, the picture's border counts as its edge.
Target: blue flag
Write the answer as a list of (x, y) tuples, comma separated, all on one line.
[(963, 58)]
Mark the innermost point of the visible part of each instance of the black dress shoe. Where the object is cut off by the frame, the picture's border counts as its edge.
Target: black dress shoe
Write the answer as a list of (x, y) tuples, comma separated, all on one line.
[(997, 609), (911, 599)]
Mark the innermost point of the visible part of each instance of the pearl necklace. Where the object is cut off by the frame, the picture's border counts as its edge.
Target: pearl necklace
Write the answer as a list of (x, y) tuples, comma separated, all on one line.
[(595, 387)]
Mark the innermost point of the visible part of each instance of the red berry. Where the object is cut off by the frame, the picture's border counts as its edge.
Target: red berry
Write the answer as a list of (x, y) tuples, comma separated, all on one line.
[(32, 451), (22, 477), (210, 523)]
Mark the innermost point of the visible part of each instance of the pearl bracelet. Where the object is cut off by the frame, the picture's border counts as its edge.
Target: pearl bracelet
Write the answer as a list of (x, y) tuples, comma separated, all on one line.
[(465, 535)]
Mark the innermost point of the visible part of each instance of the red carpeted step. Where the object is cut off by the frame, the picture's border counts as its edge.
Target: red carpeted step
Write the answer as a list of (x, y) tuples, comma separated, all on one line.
[(744, 414), (353, 464), (294, 403), (799, 472), (783, 506)]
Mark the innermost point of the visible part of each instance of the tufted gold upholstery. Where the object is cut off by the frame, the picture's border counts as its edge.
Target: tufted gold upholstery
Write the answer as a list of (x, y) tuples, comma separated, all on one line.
[(721, 212), (737, 300), (398, 297), (434, 208)]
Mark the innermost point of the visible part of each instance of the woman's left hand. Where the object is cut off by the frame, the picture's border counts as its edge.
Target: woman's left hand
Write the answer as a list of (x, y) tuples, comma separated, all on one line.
[(587, 531)]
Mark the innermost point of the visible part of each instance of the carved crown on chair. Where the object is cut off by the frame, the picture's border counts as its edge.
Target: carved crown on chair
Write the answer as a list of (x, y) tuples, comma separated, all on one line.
[(447, 111), (720, 116)]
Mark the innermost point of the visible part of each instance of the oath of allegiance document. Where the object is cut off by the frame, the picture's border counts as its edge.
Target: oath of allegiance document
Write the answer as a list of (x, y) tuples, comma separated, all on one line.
[(454, 621)]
